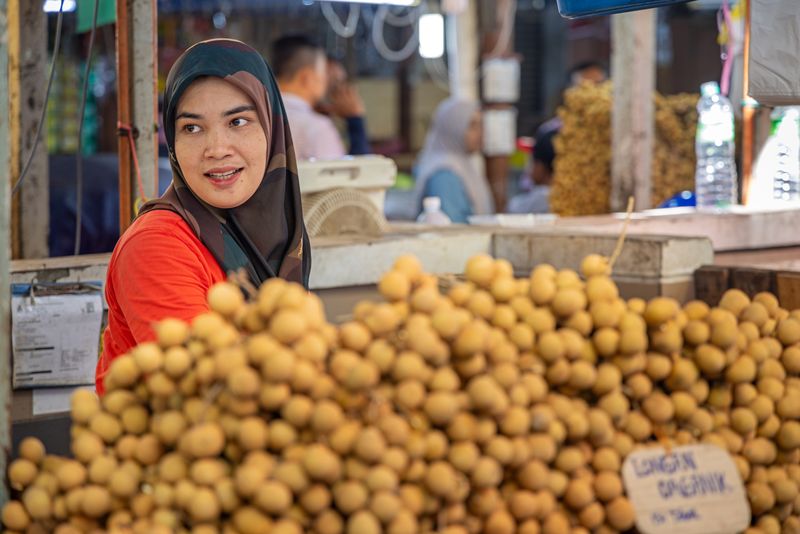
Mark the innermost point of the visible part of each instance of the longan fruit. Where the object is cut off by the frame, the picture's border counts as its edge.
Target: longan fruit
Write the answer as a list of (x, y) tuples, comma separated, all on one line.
[(710, 360), (480, 269), (595, 265), (106, 426), (556, 523), (734, 300), (171, 332), (743, 421), (579, 494), (567, 301), (607, 485), (70, 474), (96, 501), (225, 298), (788, 331), (761, 497), (363, 522), (32, 449), (638, 427), (487, 472), (87, 446), (15, 517), (441, 479), (169, 426), (21, 473), (660, 310), (606, 459), (760, 451), (785, 490), (570, 459), (658, 407), (503, 288), (523, 504), (533, 475), (789, 435), (288, 325), (620, 514)]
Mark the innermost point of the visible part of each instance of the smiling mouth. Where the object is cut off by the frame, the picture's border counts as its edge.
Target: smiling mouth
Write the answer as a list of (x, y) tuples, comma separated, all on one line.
[(224, 175)]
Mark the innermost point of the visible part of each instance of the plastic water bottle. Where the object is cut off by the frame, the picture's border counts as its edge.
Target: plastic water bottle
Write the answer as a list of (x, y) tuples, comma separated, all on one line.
[(715, 178), (786, 180), (432, 212)]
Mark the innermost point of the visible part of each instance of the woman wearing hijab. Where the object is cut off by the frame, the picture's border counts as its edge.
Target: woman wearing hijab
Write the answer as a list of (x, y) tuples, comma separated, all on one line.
[(445, 168), (234, 202)]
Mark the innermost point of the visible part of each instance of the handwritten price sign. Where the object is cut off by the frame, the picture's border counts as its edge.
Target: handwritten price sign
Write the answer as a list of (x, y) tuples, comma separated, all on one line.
[(693, 489)]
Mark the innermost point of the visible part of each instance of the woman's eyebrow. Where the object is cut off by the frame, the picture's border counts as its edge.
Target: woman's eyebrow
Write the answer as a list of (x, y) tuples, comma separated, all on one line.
[(239, 109), (188, 115)]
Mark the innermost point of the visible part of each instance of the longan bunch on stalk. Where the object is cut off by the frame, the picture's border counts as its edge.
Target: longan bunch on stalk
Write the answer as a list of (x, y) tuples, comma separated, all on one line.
[(582, 168), (674, 158)]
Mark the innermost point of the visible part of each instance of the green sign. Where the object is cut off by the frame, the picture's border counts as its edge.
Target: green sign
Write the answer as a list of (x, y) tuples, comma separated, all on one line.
[(106, 13)]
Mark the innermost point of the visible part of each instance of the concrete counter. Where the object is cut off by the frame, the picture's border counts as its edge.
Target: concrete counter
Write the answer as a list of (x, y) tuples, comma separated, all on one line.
[(740, 229)]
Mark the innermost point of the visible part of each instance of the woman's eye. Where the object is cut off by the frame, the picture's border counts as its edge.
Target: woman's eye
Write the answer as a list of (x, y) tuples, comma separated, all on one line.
[(239, 121), (191, 128)]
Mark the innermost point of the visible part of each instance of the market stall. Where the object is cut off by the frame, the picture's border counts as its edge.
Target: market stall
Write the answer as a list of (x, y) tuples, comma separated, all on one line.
[(496, 377)]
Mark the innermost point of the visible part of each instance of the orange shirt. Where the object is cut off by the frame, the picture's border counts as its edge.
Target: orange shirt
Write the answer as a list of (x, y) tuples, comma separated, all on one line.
[(159, 269)]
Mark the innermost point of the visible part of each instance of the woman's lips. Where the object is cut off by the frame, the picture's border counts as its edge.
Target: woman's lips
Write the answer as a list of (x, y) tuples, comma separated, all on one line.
[(224, 177)]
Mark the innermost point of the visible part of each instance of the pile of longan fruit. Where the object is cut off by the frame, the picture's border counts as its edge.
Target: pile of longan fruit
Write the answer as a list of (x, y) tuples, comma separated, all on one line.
[(582, 168), (491, 404)]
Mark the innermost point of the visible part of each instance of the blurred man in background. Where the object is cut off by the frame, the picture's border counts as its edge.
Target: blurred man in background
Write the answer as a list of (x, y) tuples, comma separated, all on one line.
[(343, 101), (302, 70)]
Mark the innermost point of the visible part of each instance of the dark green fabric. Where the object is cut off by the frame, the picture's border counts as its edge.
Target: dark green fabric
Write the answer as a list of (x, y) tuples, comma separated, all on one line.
[(266, 235)]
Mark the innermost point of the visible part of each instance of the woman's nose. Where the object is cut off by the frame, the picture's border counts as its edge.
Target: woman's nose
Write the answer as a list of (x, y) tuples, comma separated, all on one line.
[(218, 143)]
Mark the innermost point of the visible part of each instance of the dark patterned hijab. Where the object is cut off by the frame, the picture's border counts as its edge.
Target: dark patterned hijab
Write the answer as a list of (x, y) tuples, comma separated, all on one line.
[(265, 235)]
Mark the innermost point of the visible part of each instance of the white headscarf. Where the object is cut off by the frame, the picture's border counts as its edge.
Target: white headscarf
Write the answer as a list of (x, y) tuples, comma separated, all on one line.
[(445, 150)]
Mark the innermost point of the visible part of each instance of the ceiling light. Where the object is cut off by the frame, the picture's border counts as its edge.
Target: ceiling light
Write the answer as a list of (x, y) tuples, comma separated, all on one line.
[(431, 35), (51, 6)]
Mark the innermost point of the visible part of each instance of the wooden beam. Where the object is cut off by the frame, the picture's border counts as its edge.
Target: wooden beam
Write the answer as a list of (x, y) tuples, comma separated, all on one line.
[(463, 38), (5, 252), (13, 99), (34, 195), (144, 87), (632, 125), (137, 104), (497, 27)]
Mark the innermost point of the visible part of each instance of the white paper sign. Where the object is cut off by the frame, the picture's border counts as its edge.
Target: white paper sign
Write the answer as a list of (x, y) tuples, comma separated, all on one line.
[(54, 400), (695, 489), (499, 131), (55, 339)]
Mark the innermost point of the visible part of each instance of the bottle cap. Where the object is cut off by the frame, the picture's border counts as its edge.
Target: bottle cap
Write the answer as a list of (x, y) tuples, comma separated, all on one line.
[(431, 203), (709, 88)]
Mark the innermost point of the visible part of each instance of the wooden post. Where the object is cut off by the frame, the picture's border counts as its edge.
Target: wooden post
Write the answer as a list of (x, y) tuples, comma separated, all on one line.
[(5, 251), (462, 51), (34, 194), (493, 17), (13, 99), (633, 74), (137, 104)]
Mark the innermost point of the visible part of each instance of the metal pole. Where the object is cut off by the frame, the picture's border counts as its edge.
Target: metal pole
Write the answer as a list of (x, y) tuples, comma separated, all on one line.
[(5, 253), (748, 112)]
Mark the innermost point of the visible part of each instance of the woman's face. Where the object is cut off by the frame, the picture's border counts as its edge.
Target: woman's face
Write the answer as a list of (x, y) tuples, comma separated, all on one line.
[(220, 145), (474, 133)]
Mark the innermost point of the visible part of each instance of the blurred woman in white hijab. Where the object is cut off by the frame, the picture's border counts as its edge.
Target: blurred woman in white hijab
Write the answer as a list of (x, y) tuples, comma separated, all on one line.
[(445, 167)]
